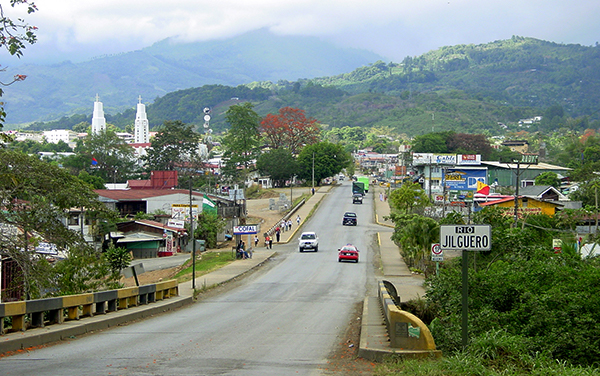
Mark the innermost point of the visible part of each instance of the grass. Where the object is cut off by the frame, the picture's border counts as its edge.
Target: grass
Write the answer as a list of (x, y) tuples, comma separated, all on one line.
[(208, 262)]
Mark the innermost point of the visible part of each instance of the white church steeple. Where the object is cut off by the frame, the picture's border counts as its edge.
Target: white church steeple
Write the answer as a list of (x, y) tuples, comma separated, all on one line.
[(142, 132), (98, 120)]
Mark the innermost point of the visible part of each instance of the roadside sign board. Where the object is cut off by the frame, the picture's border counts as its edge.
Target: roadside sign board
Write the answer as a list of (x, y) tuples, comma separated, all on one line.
[(437, 254), (466, 237), (245, 230)]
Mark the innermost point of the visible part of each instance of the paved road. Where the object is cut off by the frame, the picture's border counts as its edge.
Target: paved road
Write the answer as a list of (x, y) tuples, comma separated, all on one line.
[(284, 320)]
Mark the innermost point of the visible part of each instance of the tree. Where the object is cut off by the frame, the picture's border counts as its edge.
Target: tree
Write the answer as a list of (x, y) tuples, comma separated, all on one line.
[(111, 158), (34, 196), (431, 143), (463, 143), (242, 141), (407, 197), (175, 145), (14, 35), (289, 129), (209, 225), (328, 160), (548, 178), (279, 164)]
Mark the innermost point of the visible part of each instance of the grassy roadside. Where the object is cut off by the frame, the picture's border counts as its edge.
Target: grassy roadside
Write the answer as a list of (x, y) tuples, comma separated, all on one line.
[(208, 262)]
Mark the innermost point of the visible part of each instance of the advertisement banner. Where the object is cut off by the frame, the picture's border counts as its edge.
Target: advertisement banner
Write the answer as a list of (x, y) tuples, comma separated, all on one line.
[(464, 179), (468, 159), (182, 212)]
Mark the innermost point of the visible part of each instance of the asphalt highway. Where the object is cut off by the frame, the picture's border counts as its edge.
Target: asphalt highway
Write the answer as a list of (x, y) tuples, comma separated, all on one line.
[(282, 320)]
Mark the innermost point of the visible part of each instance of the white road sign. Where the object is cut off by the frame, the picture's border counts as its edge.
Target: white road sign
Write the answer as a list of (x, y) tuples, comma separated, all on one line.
[(466, 237), (437, 255)]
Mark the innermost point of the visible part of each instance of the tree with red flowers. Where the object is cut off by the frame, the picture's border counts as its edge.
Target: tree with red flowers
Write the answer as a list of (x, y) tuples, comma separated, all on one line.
[(290, 129)]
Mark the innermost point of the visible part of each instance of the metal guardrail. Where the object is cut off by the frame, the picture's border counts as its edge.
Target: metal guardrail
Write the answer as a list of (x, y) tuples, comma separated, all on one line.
[(41, 312)]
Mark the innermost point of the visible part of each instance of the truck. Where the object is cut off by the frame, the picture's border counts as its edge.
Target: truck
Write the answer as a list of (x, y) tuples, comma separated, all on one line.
[(365, 181), (358, 187)]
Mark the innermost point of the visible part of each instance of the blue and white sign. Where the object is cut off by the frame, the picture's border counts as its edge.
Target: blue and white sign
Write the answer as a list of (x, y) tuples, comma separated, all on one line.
[(464, 179), (245, 230)]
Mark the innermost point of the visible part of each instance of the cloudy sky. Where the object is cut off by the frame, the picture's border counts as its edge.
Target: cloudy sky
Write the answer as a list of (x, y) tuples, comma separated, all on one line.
[(78, 30)]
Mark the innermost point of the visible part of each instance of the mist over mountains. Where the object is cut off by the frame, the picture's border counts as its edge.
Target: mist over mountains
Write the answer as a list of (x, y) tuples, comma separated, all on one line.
[(53, 91)]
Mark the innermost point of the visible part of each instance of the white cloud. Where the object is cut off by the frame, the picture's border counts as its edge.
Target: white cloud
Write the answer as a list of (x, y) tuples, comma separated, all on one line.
[(76, 29)]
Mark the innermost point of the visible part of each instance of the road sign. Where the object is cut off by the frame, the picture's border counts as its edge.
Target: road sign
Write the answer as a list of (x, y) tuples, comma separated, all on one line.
[(245, 230), (437, 254), (466, 237)]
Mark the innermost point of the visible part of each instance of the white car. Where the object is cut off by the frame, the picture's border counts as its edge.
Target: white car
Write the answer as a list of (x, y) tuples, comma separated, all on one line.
[(308, 240)]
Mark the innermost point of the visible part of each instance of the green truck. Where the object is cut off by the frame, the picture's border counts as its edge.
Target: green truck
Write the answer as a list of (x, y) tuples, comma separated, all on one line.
[(365, 181), (358, 187)]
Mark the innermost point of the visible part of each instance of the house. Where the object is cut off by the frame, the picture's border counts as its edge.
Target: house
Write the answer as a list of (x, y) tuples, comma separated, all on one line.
[(505, 174), (525, 206), (520, 146), (543, 192), (149, 239)]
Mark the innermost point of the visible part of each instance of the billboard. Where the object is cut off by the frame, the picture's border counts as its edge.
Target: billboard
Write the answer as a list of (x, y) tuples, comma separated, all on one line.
[(464, 179)]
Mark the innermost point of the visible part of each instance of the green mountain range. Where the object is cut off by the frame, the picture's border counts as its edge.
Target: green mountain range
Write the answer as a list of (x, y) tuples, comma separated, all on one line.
[(53, 91), (483, 88)]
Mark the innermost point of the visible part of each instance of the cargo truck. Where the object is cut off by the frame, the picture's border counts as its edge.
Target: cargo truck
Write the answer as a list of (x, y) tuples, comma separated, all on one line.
[(358, 187), (365, 181)]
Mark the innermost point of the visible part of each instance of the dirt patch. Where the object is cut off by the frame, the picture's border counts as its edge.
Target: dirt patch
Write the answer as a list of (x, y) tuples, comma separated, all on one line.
[(152, 277), (344, 359)]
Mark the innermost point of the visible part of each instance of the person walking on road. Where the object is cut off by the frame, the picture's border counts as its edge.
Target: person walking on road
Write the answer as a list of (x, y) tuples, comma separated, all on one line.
[(277, 234), (255, 241), (270, 242), (298, 219)]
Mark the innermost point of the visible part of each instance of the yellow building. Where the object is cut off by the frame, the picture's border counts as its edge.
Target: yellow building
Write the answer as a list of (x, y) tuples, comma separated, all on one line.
[(525, 206)]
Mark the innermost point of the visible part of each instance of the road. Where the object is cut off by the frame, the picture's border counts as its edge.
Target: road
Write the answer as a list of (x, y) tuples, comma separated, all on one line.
[(283, 320)]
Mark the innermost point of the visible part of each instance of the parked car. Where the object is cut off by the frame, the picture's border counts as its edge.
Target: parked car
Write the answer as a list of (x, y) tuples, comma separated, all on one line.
[(357, 198), (348, 253), (349, 219), (308, 240)]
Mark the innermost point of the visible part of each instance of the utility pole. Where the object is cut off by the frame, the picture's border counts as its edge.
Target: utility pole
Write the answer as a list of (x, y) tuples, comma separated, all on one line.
[(193, 240)]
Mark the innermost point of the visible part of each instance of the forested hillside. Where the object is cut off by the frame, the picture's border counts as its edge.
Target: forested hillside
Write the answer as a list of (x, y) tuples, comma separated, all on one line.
[(467, 88)]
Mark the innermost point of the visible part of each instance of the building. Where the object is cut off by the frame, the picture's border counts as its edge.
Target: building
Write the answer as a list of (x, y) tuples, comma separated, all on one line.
[(142, 131), (65, 135), (98, 120)]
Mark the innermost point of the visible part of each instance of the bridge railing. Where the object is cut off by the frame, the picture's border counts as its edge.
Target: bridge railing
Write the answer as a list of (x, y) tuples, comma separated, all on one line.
[(42, 312)]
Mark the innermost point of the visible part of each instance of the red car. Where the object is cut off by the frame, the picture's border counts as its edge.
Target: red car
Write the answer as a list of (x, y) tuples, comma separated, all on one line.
[(348, 253)]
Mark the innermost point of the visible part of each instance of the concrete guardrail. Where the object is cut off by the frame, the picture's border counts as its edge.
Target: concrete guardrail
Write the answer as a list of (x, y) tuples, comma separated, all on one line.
[(42, 312), (406, 332)]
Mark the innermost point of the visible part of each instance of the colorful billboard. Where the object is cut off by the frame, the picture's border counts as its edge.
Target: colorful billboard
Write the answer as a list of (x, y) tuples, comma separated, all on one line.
[(464, 179)]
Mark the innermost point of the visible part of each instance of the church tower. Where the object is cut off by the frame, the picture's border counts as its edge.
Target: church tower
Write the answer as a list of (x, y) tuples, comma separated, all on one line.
[(98, 120), (142, 133)]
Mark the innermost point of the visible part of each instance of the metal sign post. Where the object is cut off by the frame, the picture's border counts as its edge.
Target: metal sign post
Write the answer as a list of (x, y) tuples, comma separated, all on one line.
[(465, 238)]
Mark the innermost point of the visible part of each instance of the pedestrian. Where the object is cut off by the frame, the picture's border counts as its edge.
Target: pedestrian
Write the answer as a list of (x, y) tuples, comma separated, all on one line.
[(313, 191), (380, 196), (298, 219), (255, 241), (270, 242), (289, 223), (243, 251), (267, 240), (277, 234), (283, 224)]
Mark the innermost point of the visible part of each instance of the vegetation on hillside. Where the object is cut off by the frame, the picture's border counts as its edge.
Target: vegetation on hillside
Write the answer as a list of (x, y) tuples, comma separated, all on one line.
[(478, 89)]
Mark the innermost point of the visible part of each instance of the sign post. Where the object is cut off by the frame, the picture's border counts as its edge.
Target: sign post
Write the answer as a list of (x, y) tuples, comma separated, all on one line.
[(437, 255), (466, 238)]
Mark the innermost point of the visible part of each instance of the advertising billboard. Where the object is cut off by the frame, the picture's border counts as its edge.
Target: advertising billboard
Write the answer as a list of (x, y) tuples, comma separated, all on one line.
[(464, 179)]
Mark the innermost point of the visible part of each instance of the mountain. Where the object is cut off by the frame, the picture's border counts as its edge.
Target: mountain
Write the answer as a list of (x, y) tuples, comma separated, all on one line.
[(486, 88), (52, 91)]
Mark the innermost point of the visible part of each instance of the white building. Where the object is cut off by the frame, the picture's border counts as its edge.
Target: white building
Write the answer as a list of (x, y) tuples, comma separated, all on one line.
[(98, 120), (56, 135), (142, 131)]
